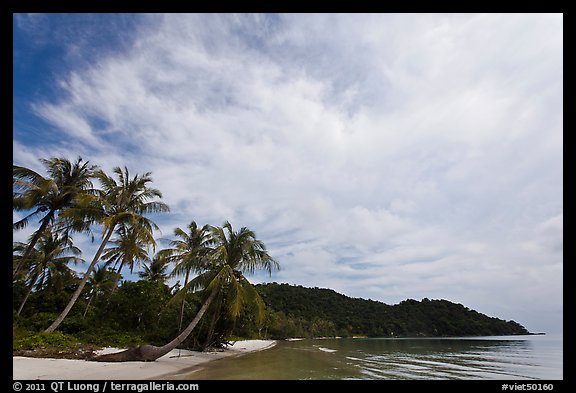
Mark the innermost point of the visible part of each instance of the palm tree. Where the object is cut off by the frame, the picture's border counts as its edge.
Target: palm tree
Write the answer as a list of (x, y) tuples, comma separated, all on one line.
[(156, 272), (118, 203), (101, 281), (47, 196), (49, 258), (233, 254), (130, 249), (189, 253), (18, 250)]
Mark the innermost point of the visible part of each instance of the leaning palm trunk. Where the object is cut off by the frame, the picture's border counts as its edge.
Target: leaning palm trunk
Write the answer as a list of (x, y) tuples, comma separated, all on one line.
[(149, 353), (210, 332), (30, 287), (183, 301), (76, 295), (33, 242), (89, 302), (117, 278)]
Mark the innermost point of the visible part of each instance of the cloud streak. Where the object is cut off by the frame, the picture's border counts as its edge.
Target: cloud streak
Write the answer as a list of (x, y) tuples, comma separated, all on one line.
[(384, 156)]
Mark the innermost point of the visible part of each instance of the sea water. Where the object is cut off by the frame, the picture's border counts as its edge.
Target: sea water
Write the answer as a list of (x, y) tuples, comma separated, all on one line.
[(494, 357)]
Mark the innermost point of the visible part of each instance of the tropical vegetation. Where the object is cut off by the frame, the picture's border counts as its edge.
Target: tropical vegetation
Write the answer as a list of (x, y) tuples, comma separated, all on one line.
[(296, 311), (212, 259)]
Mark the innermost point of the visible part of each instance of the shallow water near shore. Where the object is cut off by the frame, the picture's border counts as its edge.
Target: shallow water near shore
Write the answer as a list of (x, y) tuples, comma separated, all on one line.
[(498, 357)]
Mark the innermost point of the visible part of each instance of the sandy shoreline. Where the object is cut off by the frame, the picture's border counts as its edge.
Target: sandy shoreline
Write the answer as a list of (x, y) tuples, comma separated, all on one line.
[(172, 364)]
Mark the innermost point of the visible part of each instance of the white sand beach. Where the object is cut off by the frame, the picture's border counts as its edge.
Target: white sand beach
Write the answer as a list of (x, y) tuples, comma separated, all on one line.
[(172, 364)]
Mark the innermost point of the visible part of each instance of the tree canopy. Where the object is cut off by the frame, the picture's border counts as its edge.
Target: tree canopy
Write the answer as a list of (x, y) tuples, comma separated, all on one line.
[(297, 306)]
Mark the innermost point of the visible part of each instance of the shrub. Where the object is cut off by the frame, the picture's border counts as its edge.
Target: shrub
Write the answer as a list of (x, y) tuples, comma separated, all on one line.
[(56, 340), (39, 321), (109, 337), (74, 324)]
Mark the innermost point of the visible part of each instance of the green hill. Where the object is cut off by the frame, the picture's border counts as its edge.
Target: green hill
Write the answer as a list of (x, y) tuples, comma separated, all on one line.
[(312, 312)]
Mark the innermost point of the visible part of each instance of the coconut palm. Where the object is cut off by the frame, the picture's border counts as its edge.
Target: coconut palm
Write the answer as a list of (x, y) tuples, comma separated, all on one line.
[(116, 204), (189, 253), (156, 272), (24, 266), (47, 196), (50, 258), (100, 282), (233, 254), (130, 250)]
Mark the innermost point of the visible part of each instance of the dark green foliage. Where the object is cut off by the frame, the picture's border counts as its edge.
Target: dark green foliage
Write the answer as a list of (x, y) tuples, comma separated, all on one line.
[(105, 336), (18, 292), (134, 308), (139, 302), (305, 312), (56, 340), (142, 312), (38, 321), (137, 312), (49, 299)]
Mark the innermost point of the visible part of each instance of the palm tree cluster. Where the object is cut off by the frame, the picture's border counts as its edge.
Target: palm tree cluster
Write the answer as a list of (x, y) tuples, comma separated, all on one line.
[(211, 259)]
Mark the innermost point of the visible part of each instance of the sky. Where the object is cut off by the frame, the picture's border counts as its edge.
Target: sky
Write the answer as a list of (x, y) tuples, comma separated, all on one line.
[(385, 156)]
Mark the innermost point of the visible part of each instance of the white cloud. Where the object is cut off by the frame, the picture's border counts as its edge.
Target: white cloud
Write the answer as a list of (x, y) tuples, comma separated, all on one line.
[(386, 156)]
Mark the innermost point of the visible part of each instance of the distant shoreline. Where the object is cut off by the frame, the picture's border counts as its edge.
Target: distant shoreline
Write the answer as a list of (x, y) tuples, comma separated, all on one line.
[(412, 337), (173, 363)]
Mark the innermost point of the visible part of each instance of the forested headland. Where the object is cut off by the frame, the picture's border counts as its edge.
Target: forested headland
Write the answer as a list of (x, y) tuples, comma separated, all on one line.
[(144, 311), (315, 312)]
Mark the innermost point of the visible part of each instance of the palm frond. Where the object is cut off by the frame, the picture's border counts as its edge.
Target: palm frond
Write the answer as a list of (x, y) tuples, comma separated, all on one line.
[(25, 174), (200, 282), (23, 222), (253, 299)]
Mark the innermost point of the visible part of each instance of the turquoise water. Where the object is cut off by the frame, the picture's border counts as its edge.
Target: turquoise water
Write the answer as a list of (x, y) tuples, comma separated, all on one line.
[(510, 357)]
